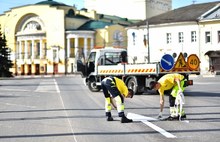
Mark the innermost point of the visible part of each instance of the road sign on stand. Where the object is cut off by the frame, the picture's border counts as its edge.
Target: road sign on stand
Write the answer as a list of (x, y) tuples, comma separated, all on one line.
[(180, 62), (193, 62), (167, 62)]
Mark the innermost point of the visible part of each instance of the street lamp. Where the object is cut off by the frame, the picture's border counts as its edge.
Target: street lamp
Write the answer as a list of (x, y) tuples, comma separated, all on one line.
[(148, 47)]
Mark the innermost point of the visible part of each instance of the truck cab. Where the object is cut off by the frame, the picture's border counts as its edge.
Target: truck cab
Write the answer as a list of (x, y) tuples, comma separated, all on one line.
[(106, 56)]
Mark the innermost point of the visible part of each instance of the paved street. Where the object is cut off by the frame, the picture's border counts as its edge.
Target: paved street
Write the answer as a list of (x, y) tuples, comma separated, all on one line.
[(63, 109)]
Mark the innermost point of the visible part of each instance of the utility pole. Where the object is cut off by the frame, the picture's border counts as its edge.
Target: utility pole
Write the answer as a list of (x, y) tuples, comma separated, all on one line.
[(194, 1), (148, 45), (147, 26)]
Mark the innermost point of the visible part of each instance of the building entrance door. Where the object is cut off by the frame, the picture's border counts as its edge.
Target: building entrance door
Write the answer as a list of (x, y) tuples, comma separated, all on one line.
[(29, 70), (37, 69), (55, 68), (22, 70)]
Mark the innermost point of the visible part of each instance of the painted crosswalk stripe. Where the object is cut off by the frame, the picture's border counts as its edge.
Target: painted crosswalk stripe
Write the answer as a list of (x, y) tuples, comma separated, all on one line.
[(145, 120)]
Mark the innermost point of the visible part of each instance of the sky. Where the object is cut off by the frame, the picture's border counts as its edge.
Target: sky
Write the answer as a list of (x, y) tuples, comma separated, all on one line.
[(7, 4)]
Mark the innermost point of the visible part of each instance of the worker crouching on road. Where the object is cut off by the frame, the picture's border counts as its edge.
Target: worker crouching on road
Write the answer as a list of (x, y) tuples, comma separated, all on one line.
[(114, 87), (176, 84)]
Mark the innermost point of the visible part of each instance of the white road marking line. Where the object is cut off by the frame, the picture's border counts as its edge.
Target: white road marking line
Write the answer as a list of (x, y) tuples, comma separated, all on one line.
[(58, 91), (46, 86), (57, 87), (145, 120), (186, 121), (84, 82), (11, 90), (10, 104)]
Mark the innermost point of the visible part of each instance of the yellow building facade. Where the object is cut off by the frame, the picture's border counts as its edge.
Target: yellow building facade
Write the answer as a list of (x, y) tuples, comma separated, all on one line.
[(49, 37)]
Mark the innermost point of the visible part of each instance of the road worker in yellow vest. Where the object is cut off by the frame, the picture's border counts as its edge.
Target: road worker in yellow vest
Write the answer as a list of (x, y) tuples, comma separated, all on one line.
[(175, 83), (115, 88)]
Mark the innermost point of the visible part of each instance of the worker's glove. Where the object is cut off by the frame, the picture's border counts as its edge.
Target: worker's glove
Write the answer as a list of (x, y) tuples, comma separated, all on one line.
[(160, 115)]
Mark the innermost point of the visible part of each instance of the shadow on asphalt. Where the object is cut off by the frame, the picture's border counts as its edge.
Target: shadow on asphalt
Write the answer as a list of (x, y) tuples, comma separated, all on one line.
[(201, 94)]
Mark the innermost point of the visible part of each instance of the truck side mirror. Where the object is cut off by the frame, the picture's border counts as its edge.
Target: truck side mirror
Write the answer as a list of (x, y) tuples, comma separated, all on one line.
[(124, 56), (102, 62)]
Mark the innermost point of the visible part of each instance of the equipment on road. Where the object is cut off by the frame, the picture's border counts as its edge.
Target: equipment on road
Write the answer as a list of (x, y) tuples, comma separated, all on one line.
[(179, 102)]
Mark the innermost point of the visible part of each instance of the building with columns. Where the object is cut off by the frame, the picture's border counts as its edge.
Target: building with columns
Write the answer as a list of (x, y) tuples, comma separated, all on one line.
[(48, 37)]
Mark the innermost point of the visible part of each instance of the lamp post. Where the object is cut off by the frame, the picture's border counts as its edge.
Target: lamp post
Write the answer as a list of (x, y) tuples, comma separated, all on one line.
[(16, 70), (148, 47), (65, 62), (147, 27)]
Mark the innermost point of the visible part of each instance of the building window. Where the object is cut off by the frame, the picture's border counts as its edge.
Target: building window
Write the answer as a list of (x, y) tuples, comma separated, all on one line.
[(207, 37), (118, 38), (181, 37), (218, 36), (193, 36), (169, 38), (32, 25)]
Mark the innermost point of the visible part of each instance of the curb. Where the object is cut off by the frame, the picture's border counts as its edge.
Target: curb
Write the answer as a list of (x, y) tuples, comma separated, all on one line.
[(204, 75)]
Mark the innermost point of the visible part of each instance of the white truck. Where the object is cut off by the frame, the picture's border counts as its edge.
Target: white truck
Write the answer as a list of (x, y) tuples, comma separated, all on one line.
[(113, 62)]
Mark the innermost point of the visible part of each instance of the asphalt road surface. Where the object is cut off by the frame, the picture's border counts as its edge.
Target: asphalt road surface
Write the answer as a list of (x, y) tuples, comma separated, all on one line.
[(62, 109)]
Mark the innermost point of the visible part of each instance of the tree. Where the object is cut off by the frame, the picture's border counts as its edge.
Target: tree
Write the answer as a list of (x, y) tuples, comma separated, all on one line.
[(5, 62)]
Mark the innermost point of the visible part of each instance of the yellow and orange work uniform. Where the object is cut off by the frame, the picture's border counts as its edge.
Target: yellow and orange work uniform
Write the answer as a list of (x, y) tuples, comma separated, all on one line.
[(167, 82), (116, 88)]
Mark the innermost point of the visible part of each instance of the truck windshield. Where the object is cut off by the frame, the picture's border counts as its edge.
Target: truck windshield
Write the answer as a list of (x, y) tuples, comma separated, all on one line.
[(92, 57), (112, 58)]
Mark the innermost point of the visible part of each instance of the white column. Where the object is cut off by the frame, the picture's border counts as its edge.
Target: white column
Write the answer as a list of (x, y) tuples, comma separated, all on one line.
[(92, 43), (19, 49), (25, 49), (85, 47), (76, 52), (68, 47), (76, 46), (41, 48), (32, 49)]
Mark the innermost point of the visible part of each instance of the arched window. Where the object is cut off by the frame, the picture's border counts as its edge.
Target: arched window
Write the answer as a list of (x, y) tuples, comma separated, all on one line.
[(71, 13), (32, 25)]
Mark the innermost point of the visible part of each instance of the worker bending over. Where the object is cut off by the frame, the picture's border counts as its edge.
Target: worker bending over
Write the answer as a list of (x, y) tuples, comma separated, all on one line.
[(114, 87), (176, 84)]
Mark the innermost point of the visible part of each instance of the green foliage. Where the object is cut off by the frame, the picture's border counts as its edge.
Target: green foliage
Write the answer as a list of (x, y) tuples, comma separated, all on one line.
[(5, 62)]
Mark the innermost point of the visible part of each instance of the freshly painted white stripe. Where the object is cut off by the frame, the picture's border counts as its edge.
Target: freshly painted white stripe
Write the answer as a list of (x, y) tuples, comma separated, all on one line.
[(145, 120), (158, 129), (138, 117)]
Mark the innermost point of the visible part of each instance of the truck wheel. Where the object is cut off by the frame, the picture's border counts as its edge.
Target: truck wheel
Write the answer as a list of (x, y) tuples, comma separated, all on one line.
[(132, 84), (93, 87)]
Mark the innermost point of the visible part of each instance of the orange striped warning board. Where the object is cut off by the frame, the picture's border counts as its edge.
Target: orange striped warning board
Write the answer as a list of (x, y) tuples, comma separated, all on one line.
[(131, 71)]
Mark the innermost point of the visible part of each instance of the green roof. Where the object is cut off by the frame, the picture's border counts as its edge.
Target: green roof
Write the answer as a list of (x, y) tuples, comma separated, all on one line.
[(92, 25), (51, 3)]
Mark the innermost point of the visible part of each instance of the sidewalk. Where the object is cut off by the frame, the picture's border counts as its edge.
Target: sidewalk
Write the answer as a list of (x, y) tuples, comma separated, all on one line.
[(43, 76), (208, 74)]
